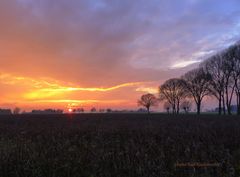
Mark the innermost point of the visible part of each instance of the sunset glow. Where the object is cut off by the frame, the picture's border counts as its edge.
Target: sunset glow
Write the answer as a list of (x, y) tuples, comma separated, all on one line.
[(70, 110), (46, 92), (104, 53)]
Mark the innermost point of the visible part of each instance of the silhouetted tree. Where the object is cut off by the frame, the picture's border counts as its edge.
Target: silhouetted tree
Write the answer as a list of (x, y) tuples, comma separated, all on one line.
[(218, 76), (148, 100), (236, 76), (16, 110), (231, 73), (173, 91), (213, 66), (224, 70), (93, 110), (197, 83)]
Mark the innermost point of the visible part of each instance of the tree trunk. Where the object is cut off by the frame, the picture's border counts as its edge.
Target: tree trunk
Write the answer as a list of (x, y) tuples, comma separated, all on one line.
[(238, 102), (199, 106), (174, 109), (229, 99), (228, 104), (220, 105), (148, 110), (238, 106), (229, 110), (178, 107), (223, 104)]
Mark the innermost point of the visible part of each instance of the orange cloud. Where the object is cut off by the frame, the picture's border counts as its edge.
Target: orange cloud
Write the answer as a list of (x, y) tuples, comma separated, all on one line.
[(38, 91), (153, 90), (57, 90)]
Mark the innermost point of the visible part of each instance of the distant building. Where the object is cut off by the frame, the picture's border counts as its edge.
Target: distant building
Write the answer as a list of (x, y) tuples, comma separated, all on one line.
[(79, 110), (47, 111), (233, 109), (109, 110), (5, 111), (141, 110), (101, 110)]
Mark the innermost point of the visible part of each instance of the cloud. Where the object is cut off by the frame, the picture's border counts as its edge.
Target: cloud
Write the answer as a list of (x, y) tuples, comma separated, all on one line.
[(152, 90), (183, 64), (47, 91), (102, 43)]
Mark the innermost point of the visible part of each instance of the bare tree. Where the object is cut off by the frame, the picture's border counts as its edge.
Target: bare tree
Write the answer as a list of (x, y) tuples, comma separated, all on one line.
[(173, 91), (213, 66), (81, 110), (236, 77), (148, 100), (197, 83), (228, 70), (232, 78), (224, 70), (186, 106)]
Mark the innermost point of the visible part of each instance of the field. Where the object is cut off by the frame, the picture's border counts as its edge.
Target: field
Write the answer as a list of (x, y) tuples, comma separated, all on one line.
[(119, 145)]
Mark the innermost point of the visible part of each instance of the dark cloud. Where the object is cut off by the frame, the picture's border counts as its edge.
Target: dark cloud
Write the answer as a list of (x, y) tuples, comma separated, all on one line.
[(104, 42)]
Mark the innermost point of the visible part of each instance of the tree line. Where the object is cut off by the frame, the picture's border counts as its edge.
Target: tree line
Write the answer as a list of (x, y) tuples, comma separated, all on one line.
[(217, 77)]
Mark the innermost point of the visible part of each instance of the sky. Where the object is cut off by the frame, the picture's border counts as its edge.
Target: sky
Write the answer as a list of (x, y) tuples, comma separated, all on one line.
[(105, 53)]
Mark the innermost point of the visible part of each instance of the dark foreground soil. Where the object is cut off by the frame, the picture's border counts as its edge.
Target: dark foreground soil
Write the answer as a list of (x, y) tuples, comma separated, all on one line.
[(119, 145)]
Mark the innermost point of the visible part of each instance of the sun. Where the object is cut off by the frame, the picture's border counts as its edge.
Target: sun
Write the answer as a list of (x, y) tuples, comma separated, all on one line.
[(70, 110)]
